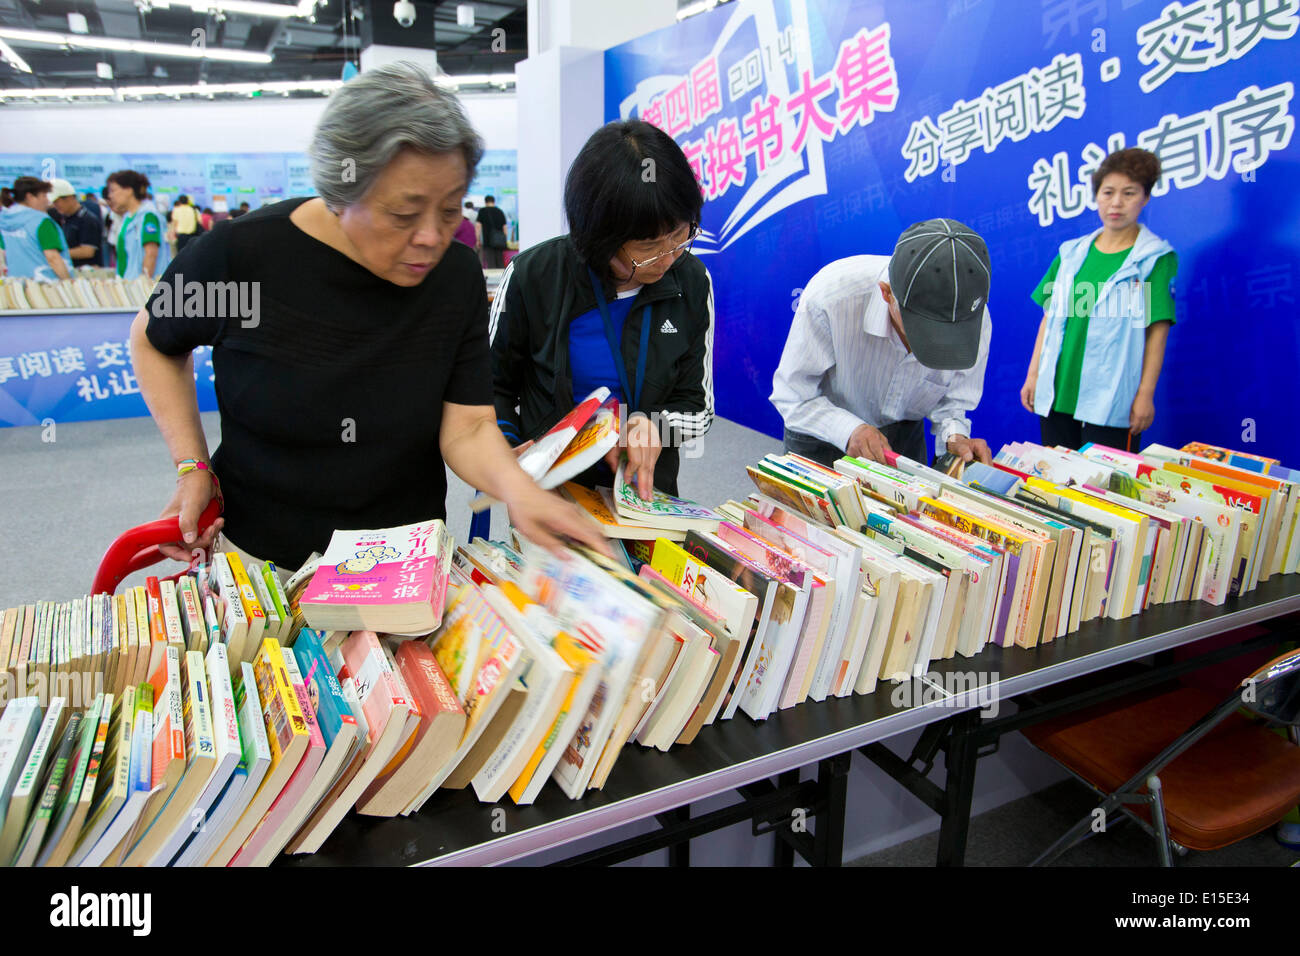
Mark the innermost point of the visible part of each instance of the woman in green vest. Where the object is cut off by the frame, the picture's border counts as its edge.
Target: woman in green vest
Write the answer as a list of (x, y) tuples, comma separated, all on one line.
[(1108, 305), (141, 246)]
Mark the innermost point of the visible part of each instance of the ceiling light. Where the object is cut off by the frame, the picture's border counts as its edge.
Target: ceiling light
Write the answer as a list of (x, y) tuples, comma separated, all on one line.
[(104, 71), (8, 55), (475, 79), (176, 90), (77, 23), (41, 38), (465, 14)]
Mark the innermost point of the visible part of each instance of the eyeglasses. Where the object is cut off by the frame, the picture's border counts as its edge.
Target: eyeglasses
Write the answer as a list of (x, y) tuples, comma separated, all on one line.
[(683, 247)]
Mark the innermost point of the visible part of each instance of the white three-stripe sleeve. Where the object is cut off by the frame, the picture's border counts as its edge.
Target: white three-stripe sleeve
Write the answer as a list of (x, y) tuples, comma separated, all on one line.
[(694, 424), (499, 303)]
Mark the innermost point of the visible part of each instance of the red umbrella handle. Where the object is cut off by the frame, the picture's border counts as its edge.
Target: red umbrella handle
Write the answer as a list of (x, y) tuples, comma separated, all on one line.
[(137, 548)]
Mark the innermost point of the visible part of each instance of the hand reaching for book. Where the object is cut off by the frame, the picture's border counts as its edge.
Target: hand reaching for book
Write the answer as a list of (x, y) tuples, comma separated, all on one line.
[(193, 492), (643, 447), (867, 442), (543, 517)]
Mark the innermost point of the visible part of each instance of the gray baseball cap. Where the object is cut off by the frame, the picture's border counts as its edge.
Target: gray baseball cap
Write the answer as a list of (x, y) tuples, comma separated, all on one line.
[(940, 275)]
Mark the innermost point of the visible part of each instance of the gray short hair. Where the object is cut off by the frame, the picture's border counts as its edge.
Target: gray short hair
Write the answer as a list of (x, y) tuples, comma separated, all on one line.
[(373, 116)]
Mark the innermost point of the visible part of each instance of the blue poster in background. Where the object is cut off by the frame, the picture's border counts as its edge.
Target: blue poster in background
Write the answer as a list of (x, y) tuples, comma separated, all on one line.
[(74, 368), (497, 176), (254, 178), (822, 129)]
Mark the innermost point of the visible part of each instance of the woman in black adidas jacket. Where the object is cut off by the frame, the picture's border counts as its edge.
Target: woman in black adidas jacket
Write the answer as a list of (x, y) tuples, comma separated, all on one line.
[(633, 206)]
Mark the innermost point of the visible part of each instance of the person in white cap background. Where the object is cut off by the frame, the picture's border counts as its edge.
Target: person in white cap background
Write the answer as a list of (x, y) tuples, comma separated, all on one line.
[(880, 343), (31, 243), (82, 228)]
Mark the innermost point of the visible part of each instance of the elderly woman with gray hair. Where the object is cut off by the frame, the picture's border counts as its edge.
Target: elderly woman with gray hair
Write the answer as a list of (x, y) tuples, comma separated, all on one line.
[(357, 364)]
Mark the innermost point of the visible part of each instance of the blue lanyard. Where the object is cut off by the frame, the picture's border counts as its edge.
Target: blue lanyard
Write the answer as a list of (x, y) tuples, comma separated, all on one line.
[(615, 349)]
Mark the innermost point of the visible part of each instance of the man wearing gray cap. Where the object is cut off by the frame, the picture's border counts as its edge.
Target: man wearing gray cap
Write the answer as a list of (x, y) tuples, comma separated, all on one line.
[(879, 343)]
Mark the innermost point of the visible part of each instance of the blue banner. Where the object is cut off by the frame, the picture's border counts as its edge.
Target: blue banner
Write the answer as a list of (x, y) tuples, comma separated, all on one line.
[(254, 178), (74, 368), (821, 129)]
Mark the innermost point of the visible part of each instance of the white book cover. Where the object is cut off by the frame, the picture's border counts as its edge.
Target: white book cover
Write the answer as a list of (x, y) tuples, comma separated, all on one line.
[(547, 678), (611, 621), (226, 744), (27, 781), (124, 821), (18, 728), (255, 761)]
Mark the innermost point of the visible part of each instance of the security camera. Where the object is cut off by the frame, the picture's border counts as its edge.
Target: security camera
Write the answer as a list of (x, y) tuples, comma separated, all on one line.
[(404, 12)]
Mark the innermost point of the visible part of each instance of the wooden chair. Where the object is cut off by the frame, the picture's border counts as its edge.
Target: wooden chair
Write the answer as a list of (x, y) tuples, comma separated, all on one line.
[(1186, 764)]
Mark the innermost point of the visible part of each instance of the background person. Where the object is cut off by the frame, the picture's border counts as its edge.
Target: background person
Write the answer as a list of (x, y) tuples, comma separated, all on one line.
[(1108, 304), (184, 220), (141, 245), (31, 243), (492, 222), (466, 232), (619, 302), (880, 343), (366, 370), (82, 227)]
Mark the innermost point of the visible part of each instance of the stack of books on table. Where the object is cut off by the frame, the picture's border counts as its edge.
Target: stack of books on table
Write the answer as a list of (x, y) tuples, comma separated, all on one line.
[(540, 669), (79, 292)]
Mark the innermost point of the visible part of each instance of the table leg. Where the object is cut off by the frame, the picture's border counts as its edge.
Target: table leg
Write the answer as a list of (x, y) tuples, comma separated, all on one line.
[(959, 789)]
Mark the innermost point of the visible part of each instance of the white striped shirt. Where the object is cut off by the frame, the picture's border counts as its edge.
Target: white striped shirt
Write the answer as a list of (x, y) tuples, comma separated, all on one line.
[(844, 365)]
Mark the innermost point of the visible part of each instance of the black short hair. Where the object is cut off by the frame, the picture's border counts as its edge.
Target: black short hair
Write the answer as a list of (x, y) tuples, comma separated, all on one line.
[(609, 198), (487, 199), (1140, 165), (25, 186), (138, 183)]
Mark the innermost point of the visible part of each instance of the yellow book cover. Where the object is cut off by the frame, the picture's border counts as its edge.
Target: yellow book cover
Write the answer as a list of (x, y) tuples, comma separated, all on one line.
[(144, 645), (1018, 625), (580, 659), (670, 559), (1239, 493), (247, 598), (1139, 568), (287, 735)]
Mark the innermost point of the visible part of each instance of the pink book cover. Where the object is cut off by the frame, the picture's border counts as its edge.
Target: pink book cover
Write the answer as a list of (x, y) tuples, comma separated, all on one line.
[(651, 574), (289, 798), (378, 689), (777, 563), (404, 565)]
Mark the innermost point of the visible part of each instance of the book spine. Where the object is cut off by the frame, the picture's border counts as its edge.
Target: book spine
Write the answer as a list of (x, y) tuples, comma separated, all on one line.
[(244, 587)]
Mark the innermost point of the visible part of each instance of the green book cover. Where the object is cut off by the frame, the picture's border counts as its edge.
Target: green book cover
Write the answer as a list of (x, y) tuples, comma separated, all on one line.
[(40, 821), (76, 778)]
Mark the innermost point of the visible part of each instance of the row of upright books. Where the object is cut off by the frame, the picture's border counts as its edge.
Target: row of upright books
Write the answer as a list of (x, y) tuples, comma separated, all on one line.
[(198, 721), (269, 711), (79, 292)]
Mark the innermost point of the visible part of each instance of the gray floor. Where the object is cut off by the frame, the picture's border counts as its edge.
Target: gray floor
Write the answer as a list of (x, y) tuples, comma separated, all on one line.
[(1015, 833), (63, 500)]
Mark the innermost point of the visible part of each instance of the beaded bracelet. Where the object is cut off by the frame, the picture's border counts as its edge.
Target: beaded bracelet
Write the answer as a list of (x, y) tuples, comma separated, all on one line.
[(187, 465)]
